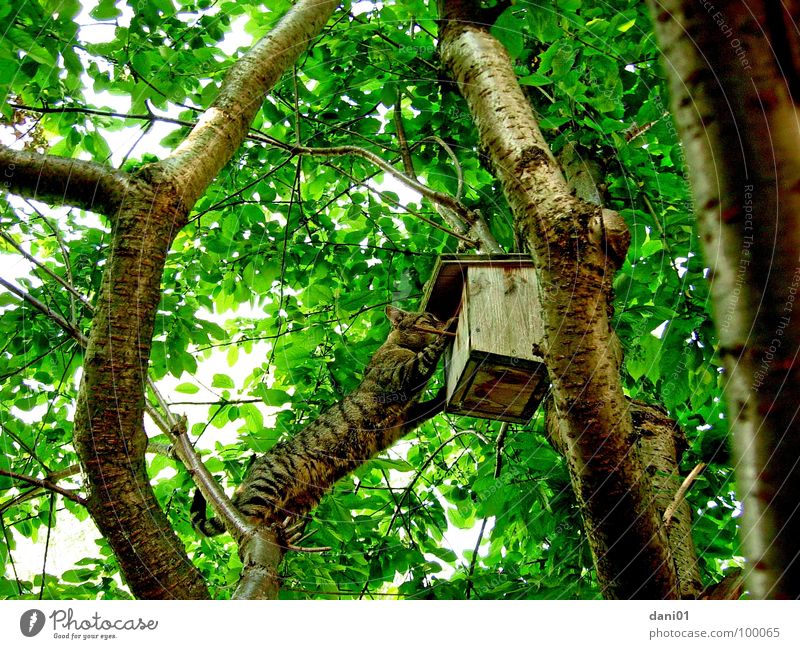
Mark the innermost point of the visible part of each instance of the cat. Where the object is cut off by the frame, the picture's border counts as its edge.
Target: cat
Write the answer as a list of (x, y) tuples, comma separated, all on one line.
[(292, 477)]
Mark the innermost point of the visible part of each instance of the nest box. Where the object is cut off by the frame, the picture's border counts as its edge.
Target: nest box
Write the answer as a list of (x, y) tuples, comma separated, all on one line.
[(493, 368)]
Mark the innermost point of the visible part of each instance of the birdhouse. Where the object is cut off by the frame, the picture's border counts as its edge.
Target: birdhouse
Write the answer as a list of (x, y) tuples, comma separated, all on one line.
[(493, 368)]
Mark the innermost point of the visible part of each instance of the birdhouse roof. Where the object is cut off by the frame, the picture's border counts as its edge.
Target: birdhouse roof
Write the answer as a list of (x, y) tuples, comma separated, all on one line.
[(444, 289)]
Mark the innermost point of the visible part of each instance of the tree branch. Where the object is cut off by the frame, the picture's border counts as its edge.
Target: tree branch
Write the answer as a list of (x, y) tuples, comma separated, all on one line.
[(469, 216), (71, 329), (261, 554), (45, 484), (62, 181), (456, 162), (49, 272), (424, 219), (156, 448), (238, 527), (459, 217), (297, 548), (82, 110), (474, 559), (459, 224), (681, 493), (632, 558), (224, 126), (400, 130)]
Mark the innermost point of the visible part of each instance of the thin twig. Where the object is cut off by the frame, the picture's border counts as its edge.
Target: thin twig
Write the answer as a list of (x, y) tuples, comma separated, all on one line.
[(338, 593), (35, 360), (59, 237), (475, 558), (171, 419), (45, 484), (23, 445), (47, 546), (431, 194), (296, 107), (295, 198), (158, 448), (218, 402), (424, 466), (383, 195), (500, 445), (400, 130), (52, 477), (498, 465), (379, 33), (453, 157), (429, 330), (462, 226), (145, 130), (234, 522), (681, 493), (55, 276), (444, 202), (10, 555), (39, 306), (83, 341), (406, 520), (296, 548)]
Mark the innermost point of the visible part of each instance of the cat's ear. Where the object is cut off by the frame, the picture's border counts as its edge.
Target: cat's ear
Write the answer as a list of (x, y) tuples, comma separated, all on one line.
[(394, 314)]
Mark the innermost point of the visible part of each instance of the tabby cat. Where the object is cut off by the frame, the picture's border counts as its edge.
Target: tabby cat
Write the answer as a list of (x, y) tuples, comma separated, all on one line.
[(291, 478)]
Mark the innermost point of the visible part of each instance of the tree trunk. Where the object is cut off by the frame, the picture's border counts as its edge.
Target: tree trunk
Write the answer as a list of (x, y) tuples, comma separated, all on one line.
[(660, 440), (109, 436), (661, 443), (735, 81), (565, 237)]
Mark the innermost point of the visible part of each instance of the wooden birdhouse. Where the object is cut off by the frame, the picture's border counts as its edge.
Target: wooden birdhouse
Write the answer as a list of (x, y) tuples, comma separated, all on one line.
[(493, 368)]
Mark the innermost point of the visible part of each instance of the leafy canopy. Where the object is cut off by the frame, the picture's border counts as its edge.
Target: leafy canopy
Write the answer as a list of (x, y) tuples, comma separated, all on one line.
[(273, 294)]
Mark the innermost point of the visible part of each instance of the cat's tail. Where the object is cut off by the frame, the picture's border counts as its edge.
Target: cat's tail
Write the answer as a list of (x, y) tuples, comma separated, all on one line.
[(197, 513)]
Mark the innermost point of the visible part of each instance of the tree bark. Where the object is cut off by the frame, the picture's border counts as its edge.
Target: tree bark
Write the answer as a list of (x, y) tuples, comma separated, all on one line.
[(660, 440), (62, 181), (109, 437), (661, 443), (734, 77), (566, 238)]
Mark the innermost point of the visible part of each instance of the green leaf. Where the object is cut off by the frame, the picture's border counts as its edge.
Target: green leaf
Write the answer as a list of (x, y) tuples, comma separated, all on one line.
[(222, 381), (624, 27), (394, 464), (535, 79), (106, 10), (507, 30), (275, 397), (5, 465), (286, 262)]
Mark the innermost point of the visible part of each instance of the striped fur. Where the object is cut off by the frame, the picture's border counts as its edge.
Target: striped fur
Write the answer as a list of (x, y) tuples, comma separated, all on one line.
[(291, 478)]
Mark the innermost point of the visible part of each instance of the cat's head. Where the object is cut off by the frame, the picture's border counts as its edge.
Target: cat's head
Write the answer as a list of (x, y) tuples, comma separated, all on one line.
[(408, 328)]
